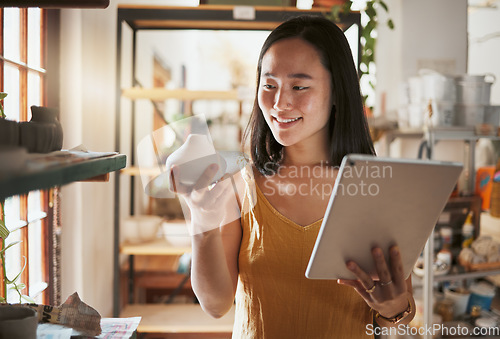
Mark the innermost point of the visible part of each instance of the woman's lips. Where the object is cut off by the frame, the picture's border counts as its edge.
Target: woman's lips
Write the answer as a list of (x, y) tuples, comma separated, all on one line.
[(286, 123)]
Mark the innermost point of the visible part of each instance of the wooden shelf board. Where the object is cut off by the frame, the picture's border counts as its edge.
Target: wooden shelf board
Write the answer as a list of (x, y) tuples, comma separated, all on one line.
[(156, 247), (135, 171), (177, 318), (157, 94), (65, 172)]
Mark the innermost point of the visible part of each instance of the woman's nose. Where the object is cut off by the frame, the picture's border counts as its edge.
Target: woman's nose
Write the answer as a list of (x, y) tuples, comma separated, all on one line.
[(282, 101)]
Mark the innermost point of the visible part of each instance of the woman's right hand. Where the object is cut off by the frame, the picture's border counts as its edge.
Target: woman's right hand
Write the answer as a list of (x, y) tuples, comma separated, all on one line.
[(210, 205)]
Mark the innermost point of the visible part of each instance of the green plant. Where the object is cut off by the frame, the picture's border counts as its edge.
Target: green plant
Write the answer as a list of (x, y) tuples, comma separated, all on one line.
[(2, 96), (369, 22), (14, 283)]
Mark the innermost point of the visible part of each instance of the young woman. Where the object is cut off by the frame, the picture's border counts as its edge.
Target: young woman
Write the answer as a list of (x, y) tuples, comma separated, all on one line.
[(307, 115)]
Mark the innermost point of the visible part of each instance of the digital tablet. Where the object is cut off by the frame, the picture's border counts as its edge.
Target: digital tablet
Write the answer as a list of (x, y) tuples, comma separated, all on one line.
[(380, 202)]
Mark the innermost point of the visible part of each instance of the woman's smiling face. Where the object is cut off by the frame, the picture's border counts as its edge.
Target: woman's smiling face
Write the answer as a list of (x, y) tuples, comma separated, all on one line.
[(295, 93)]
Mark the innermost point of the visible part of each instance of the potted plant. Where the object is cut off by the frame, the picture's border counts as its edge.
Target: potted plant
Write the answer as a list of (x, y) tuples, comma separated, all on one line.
[(369, 22)]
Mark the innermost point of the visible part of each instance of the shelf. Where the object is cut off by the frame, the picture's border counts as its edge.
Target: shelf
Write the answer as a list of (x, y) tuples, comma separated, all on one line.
[(158, 94), (157, 247), (439, 133), (136, 170), (467, 275), (458, 133), (42, 172), (216, 17), (177, 318)]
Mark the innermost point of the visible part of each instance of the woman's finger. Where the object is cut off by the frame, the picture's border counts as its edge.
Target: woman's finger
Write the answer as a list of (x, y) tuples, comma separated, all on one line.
[(397, 267), (381, 265), (207, 177), (356, 284), (362, 276), (176, 186)]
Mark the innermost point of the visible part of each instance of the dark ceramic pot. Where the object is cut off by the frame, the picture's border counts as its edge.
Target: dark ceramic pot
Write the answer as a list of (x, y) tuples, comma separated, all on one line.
[(17, 322), (49, 116), (37, 137), (9, 132)]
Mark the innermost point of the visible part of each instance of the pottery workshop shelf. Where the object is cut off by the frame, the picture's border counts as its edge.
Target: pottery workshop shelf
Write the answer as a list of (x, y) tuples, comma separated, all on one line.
[(57, 169), (182, 319)]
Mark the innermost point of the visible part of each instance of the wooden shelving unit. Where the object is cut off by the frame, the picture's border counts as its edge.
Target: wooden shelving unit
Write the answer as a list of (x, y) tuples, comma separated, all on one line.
[(40, 174), (180, 319), (157, 247)]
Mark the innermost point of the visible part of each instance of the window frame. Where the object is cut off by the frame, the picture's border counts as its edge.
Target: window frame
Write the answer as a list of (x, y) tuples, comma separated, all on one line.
[(47, 197)]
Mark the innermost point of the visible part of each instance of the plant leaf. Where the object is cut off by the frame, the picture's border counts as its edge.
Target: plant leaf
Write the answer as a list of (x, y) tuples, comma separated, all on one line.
[(3, 300), (384, 5), (2, 95), (20, 286), (13, 281), (4, 231), (28, 299), (390, 24), (10, 245)]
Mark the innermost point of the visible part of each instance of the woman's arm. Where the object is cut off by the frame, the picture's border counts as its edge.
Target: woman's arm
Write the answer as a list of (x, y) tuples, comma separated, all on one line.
[(214, 269), (215, 237)]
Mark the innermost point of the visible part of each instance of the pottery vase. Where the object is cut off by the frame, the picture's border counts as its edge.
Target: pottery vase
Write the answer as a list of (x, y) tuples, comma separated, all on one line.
[(9, 132), (17, 322), (43, 133), (50, 116), (193, 158)]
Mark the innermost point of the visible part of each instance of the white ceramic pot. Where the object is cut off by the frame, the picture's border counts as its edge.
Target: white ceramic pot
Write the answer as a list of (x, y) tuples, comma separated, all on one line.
[(460, 300), (140, 228), (437, 87), (193, 158), (176, 233)]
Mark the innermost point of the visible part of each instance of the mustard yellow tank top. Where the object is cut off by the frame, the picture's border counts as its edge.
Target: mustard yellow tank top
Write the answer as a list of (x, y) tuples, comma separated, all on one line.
[(274, 299)]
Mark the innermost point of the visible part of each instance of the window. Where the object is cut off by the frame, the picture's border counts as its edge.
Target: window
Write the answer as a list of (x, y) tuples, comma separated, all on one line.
[(23, 78)]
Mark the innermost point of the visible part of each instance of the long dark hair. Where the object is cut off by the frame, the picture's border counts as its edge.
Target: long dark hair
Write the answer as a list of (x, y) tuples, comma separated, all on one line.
[(348, 128)]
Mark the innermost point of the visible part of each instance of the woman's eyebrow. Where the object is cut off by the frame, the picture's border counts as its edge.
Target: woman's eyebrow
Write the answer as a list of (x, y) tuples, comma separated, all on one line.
[(291, 76)]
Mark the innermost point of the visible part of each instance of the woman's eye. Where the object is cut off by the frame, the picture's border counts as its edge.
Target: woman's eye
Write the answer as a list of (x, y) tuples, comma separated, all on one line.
[(298, 88), (267, 86)]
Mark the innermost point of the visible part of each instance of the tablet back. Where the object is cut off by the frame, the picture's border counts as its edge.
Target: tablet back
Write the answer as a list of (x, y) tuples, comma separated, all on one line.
[(380, 202)]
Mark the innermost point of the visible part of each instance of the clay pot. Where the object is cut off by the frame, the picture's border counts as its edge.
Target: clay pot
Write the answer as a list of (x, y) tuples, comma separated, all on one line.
[(9, 132), (18, 322), (43, 133), (37, 137), (193, 158), (50, 116)]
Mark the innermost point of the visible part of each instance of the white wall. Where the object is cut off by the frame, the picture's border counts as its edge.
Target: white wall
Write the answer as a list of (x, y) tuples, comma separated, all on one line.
[(484, 45), (428, 34), (87, 114)]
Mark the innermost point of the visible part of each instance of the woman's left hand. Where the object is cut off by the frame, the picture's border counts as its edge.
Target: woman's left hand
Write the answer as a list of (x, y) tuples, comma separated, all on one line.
[(389, 295)]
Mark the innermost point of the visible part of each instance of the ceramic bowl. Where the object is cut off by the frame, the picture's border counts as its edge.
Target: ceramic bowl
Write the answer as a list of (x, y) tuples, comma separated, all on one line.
[(176, 233), (140, 228)]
